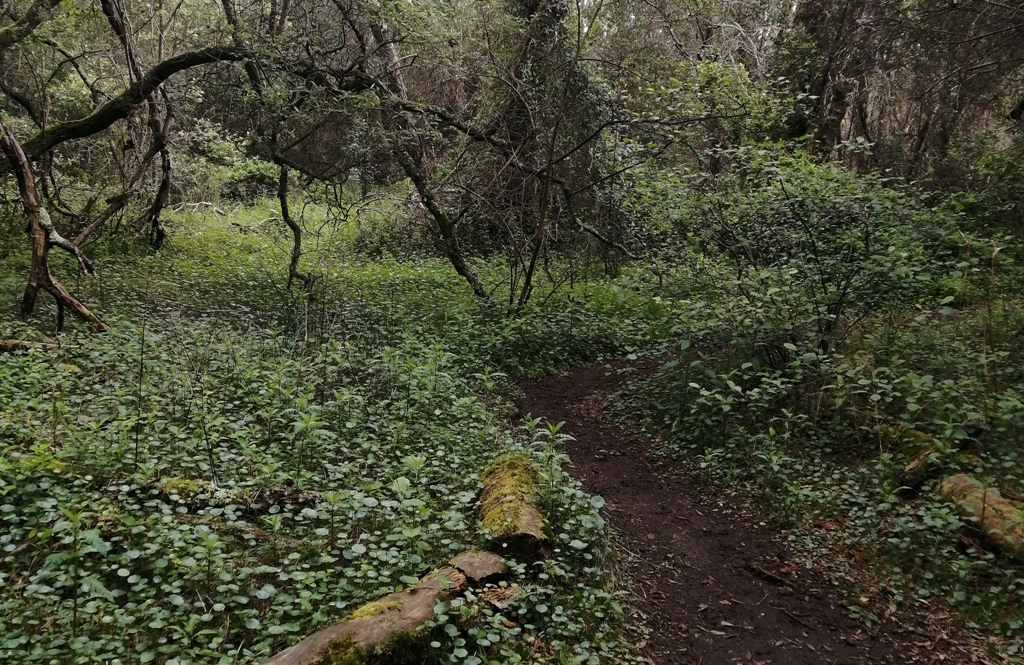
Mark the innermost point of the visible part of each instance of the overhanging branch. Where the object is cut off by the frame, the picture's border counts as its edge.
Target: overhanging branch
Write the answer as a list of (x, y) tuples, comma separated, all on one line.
[(120, 106)]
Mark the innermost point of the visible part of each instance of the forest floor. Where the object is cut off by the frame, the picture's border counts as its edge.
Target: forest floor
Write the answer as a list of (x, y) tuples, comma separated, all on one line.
[(716, 583)]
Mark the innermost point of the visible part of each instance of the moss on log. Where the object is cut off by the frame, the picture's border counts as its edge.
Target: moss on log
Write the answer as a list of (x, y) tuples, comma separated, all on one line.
[(508, 505), (385, 630), (253, 502), (1000, 520), (378, 630)]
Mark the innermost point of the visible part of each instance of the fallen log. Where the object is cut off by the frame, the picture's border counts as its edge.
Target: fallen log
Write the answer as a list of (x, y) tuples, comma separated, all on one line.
[(13, 345), (385, 629), (926, 455), (508, 506), (918, 466), (1000, 520), (919, 446)]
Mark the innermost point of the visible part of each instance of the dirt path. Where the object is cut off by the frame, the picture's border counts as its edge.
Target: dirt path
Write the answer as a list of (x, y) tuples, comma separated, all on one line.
[(717, 587)]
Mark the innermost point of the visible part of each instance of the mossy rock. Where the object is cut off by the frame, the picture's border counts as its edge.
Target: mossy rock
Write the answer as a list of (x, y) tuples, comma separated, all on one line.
[(1000, 520), (508, 505)]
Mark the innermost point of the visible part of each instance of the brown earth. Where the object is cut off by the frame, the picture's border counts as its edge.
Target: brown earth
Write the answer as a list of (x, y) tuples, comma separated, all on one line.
[(716, 584)]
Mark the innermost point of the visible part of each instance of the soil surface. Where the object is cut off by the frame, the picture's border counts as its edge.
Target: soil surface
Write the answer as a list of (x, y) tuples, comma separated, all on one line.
[(717, 585)]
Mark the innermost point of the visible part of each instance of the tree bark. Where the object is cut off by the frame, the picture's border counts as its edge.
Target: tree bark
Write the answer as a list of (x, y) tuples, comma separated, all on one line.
[(114, 204), (38, 13), (282, 197), (44, 236), (120, 106), (414, 171)]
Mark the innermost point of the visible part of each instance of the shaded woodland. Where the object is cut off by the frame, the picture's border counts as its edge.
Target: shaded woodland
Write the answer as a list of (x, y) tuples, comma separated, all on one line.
[(273, 274)]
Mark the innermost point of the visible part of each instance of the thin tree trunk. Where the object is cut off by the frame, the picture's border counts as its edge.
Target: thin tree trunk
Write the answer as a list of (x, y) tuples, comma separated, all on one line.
[(157, 232), (412, 164), (282, 20), (414, 170), (539, 237), (293, 264), (114, 205), (159, 129), (44, 236)]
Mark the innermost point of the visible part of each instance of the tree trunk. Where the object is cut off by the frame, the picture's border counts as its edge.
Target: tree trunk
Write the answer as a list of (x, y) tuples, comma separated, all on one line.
[(156, 228), (293, 264), (44, 236), (412, 164), (387, 628)]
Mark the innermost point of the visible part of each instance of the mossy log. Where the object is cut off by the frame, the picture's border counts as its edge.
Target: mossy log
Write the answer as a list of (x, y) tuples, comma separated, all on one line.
[(508, 505), (1000, 520), (927, 455), (15, 345), (919, 447), (385, 629)]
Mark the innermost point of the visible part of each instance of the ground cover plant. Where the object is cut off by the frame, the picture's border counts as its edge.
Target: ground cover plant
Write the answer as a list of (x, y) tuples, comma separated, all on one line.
[(842, 413), (199, 486)]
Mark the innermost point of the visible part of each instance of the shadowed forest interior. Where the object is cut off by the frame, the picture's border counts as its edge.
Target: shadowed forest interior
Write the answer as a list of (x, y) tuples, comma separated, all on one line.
[(511, 331)]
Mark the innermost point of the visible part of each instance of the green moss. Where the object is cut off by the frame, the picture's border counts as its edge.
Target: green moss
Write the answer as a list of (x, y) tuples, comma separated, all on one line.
[(343, 651), (968, 460), (53, 465), (402, 647), (999, 519), (509, 481), (914, 439), (109, 516), (186, 488), (376, 608)]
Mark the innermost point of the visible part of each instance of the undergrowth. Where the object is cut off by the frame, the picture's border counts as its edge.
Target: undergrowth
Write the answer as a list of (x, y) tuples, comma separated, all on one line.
[(824, 330), (235, 466)]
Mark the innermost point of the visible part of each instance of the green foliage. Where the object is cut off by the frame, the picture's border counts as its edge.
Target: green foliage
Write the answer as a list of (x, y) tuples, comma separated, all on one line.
[(216, 169), (991, 185), (824, 436), (229, 470), (796, 252)]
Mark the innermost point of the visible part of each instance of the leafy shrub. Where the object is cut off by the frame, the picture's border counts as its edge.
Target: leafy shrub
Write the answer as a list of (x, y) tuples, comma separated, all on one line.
[(802, 251), (826, 437)]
